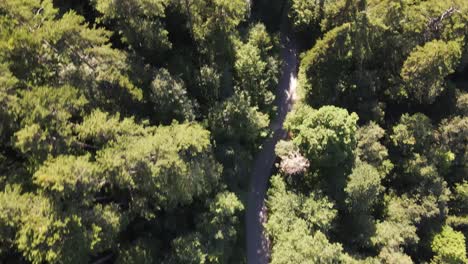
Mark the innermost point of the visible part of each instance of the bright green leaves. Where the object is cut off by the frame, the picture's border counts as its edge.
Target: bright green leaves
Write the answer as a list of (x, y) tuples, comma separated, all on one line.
[(449, 247), (50, 106), (49, 50), (12, 205), (163, 169), (69, 178), (45, 116), (100, 128), (426, 68), (363, 188), (31, 224), (256, 69), (326, 136), (363, 193), (296, 225), (83, 203), (220, 225), (285, 205)]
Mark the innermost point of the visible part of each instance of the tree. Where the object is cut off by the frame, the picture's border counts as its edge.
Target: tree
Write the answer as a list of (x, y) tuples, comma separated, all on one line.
[(462, 103), (168, 167), (426, 68), (296, 239), (46, 236), (460, 198), (7, 100), (139, 23), (370, 150), (327, 138), (69, 178), (170, 99), (321, 62), (398, 229), (216, 236), (211, 22), (449, 247), (412, 133), (256, 71), (363, 192), (452, 134), (139, 252), (235, 120), (101, 128), (340, 68), (49, 49), (45, 116), (305, 14), (363, 188)]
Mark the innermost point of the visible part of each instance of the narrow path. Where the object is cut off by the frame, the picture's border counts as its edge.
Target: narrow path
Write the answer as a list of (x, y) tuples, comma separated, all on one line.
[(258, 249)]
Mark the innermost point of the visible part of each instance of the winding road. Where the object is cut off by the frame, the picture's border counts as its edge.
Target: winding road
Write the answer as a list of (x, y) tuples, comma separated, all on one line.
[(258, 249)]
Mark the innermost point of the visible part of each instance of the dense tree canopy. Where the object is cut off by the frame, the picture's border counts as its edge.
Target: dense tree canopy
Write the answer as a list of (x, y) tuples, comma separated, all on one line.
[(397, 176), (129, 130)]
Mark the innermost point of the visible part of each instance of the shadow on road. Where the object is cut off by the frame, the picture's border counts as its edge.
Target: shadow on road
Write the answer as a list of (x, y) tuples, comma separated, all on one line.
[(258, 248)]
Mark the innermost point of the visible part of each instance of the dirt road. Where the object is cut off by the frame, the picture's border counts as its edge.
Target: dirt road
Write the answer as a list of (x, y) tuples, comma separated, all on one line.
[(257, 243)]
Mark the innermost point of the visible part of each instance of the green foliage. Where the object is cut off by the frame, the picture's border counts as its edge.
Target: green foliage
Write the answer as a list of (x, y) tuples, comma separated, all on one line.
[(329, 57), (398, 229), (139, 23), (216, 236), (170, 99), (363, 188), (168, 167), (412, 133), (426, 68), (12, 205), (69, 178), (100, 128), (287, 207), (140, 252), (370, 149), (462, 103), (251, 70), (220, 226), (327, 138), (128, 129), (363, 193), (7, 99), (326, 135), (449, 247), (45, 116), (296, 225), (46, 49), (256, 70), (306, 13), (45, 236), (235, 120), (218, 15), (460, 198), (452, 134)]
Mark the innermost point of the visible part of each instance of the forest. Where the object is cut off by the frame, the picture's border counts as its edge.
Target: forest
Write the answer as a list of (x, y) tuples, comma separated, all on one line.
[(129, 130)]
